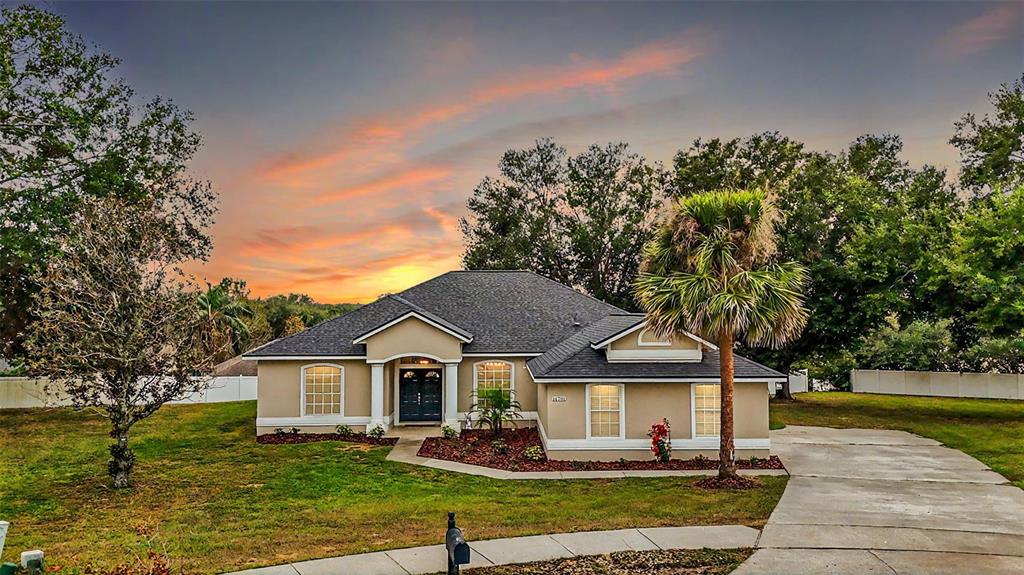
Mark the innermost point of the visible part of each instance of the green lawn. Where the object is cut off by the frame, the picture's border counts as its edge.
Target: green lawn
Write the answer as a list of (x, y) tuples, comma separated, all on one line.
[(216, 500), (991, 430)]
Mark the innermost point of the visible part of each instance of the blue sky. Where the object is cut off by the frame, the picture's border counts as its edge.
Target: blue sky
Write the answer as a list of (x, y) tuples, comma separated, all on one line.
[(345, 138)]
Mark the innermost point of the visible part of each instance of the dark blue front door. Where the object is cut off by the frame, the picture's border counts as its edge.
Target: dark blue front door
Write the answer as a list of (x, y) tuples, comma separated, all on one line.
[(419, 395)]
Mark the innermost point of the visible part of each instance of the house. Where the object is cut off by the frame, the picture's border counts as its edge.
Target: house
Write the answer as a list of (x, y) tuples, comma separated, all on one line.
[(589, 375)]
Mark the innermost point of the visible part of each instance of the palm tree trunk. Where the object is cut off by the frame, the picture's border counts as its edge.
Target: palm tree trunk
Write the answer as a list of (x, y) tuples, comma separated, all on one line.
[(726, 450)]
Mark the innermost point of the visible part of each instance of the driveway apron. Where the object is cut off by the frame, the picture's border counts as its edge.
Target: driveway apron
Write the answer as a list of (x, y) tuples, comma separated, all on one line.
[(874, 501)]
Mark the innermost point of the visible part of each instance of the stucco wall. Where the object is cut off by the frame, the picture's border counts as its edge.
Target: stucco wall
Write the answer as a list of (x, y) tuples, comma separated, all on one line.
[(526, 390), (413, 337), (630, 342), (279, 388), (647, 403)]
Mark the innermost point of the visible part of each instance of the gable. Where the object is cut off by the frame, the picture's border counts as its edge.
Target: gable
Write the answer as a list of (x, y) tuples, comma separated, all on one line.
[(412, 336), (640, 344), (503, 312)]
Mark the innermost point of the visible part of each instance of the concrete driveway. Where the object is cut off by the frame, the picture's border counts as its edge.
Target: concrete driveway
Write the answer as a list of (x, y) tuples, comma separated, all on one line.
[(874, 501)]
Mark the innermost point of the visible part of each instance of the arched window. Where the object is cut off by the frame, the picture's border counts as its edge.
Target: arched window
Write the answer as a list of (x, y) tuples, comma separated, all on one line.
[(493, 374), (647, 338), (323, 388)]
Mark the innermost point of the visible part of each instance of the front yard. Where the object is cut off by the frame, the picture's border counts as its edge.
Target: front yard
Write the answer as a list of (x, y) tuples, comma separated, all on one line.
[(990, 430), (216, 500)]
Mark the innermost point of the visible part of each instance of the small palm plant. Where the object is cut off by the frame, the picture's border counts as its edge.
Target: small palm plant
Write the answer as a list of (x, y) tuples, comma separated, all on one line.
[(711, 270), (495, 406)]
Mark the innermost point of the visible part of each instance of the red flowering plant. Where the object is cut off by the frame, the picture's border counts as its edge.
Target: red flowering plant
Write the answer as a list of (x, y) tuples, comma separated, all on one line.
[(661, 440)]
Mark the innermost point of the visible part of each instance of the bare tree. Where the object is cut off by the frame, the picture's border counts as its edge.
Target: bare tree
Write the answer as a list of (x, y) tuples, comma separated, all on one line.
[(119, 330)]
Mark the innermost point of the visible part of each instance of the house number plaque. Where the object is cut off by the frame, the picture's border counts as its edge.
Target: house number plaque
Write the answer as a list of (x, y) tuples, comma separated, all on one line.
[(557, 398)]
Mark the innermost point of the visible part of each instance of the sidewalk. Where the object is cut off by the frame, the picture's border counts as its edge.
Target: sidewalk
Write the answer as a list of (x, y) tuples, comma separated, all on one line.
[(432, 558), (408, 446)]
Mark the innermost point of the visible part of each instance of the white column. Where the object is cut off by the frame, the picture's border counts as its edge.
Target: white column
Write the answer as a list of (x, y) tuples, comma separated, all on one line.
[(376, 396), (451, 395)]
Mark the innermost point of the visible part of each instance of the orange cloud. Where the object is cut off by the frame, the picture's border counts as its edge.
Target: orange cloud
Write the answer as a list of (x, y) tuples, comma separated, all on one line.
[(989, 28), (414, 177), (384, 131)]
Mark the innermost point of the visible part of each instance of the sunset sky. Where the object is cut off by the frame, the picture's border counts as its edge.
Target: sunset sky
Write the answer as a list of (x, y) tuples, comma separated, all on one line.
[(344, 139)]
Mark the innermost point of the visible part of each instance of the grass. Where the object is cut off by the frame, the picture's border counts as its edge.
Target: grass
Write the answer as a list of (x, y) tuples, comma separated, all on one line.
[(216, 500), (671, 562), (991, 430)]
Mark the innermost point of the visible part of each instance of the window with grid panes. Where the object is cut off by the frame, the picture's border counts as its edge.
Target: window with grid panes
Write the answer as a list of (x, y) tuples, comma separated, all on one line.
[(605, 411), (323, 388), (707, 410)]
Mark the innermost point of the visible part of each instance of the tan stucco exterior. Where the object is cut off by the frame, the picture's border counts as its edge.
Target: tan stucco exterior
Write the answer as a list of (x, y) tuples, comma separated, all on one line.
[(525, 390), (632, 341), (560, 408), (413, 337), (279, 391), (562, 411)]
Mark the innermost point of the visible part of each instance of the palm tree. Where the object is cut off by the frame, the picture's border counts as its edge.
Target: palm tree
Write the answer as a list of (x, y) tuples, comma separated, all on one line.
[(710, 271), (226, 316)]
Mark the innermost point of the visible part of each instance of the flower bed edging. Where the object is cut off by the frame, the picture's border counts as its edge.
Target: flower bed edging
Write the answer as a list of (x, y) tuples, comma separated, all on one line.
[(476, 447), (293, 438)]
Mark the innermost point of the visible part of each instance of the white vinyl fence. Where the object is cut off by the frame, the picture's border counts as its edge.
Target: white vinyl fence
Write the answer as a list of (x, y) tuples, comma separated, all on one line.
[(20, 392), (938, 384), (798, 381)]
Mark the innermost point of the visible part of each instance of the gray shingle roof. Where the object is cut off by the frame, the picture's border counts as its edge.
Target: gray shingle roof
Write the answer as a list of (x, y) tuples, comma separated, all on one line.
[(504, 311), (575, 358), (411, 307)]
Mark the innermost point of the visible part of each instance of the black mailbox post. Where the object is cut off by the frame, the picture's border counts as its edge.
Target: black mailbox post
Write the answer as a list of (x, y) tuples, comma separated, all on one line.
[(458, 549)]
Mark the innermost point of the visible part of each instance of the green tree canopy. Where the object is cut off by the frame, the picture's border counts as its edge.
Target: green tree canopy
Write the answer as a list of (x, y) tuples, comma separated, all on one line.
[(580, 220), (866, 226), (711, 270), (70, 130), (992, 149)]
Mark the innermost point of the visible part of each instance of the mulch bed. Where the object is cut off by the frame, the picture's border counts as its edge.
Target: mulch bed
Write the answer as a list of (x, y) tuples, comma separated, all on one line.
[(289, 438), (659, 562), (477, 447)]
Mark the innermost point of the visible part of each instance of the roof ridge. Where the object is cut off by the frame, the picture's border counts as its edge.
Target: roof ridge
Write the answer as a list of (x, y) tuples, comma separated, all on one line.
[(562, 285), (575, 334)]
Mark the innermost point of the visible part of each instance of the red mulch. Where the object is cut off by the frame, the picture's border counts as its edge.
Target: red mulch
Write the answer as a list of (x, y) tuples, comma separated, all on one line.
[(476, 447), (288, 438), (738, 482)]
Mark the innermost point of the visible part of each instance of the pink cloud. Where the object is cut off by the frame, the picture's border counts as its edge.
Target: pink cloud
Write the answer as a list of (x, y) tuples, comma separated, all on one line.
[(385, 131), (994, 25)]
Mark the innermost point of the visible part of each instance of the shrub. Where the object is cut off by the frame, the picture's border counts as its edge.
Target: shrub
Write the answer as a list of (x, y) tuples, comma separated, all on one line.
[(449, 432), (920, 346), (534, 453), (661, 440), (495, 406), (1003, 355), (344, 430), (499, 446), (377, 432)]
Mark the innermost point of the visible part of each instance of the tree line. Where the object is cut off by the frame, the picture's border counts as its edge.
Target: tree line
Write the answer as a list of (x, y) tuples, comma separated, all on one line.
[(99, 214), (898, 257)]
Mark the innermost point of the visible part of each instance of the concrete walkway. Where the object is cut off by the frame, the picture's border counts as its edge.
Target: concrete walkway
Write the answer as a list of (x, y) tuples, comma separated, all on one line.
[(410, 439), (871, 501), (432, 558)]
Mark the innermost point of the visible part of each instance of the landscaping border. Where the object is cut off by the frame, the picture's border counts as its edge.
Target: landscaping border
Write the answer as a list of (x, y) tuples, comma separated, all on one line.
[(407, 451)]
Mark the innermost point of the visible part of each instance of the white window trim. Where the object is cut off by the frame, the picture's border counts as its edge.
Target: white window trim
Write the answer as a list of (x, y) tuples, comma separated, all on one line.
[(693, 414), (641, 343), (302, 393), (622, 415), (511, 371)]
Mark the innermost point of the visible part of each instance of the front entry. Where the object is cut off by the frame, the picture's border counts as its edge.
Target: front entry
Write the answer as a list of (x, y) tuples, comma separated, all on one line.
[(419, 393)]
